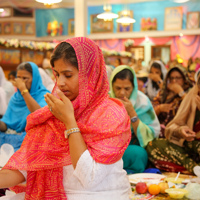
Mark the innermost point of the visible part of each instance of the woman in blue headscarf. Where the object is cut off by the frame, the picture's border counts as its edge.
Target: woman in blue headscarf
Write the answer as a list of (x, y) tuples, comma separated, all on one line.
[(144, 122), (28, 98)]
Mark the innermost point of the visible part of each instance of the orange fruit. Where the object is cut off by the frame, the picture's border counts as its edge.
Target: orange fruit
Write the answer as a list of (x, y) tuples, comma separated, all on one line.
[(154, 189)]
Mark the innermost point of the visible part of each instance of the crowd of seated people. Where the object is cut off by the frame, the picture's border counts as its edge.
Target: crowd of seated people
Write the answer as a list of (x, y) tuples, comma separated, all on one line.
[(163, 111)]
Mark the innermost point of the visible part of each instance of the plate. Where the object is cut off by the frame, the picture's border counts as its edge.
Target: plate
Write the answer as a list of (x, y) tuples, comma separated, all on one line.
[(146, 177)]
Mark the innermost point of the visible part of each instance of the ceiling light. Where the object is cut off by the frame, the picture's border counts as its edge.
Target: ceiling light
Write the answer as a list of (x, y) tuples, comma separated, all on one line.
[(48, 2), (180, 1), (107, 15), (1, 9), (125, 18)]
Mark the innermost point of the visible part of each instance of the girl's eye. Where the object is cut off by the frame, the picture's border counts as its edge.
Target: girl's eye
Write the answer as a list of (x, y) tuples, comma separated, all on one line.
[(68, 76)]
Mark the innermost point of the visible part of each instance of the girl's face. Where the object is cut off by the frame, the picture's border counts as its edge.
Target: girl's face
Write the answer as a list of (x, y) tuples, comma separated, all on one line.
[(67, 78), (26, 77), (155, 71), (122, 88)]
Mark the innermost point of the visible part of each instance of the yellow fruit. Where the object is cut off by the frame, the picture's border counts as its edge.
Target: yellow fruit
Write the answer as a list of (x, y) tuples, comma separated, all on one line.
[(163, 186), (154, 189)]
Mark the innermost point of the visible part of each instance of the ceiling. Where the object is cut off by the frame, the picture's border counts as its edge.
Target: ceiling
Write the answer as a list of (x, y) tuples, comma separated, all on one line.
[(63, 4)]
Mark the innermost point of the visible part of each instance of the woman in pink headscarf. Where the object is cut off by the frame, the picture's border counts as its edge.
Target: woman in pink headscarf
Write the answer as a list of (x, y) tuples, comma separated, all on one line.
[(74, 146)]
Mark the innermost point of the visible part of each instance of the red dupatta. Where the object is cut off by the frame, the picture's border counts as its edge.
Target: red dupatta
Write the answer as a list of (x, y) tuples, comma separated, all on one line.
[(103, 122)]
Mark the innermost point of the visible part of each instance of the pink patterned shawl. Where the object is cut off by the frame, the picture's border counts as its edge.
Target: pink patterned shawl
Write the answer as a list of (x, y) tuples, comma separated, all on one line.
[(103, 122)]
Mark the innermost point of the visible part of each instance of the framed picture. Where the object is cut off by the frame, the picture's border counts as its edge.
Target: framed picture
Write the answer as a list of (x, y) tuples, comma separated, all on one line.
[(193, 20), (33, 56), (18, 28), (148, 24), (99, 25), (6, 12), (125, 27), (173, 18), (29, 28), (7, 28), (9, 56), (71, 27)]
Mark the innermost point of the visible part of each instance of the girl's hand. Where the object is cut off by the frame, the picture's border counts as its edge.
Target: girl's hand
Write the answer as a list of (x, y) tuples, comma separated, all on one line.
[(186, 133), (165, 107), (154, 77), (61, 109)]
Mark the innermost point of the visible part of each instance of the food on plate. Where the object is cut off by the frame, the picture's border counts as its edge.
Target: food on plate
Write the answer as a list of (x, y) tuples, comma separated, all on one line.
[(172, 179), (176, 193), (163, 186), (154, 189), (141, 188)]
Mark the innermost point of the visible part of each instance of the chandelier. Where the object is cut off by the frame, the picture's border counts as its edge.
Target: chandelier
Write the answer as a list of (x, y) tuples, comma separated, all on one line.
[(125, 18), (180, 1), (48, 3), (107, 15)]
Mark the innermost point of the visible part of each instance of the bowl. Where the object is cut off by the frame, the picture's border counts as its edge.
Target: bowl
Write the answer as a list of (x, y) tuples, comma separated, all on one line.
[(172, 179), (176, 193)]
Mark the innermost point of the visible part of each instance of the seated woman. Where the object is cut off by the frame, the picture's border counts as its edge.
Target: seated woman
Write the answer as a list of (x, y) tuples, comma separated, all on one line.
[(72, 149), (6, 91), (28, 98), (168, 99), (180, 151), (155, 80), (144, 123)]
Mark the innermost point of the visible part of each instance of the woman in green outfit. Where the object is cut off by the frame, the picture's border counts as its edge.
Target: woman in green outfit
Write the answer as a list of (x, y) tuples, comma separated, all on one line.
[(144, 123)]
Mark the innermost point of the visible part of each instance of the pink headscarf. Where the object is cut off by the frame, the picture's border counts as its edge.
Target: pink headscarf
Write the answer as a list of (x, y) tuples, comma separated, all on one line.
[(103, 122)]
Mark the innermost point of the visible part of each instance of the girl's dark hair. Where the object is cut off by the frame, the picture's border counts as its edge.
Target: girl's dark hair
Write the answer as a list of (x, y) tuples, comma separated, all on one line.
[(12, 73), (124, 74), (65, 51), (25, 66), (157, 66)]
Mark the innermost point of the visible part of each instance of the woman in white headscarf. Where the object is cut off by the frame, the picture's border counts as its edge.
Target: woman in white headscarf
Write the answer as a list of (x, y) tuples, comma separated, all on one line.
[(6, 91), (155, 80)]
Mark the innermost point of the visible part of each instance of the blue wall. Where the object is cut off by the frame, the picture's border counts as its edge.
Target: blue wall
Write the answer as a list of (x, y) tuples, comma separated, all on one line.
[(155, 9)]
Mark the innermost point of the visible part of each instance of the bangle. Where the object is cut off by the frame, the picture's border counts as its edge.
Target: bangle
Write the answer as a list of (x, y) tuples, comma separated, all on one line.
[(70, 131), (24, 91), (180, 94)]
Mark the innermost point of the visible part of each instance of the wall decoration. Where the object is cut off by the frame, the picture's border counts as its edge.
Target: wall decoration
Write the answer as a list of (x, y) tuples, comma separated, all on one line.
[(125, 27), (148, 24), (7, 28), (33, 56), (18, 28), (54, 28), (193, 20), (7, 12), (71, 27), (173, 18), (99, 25), (29, 28), (9, 56)]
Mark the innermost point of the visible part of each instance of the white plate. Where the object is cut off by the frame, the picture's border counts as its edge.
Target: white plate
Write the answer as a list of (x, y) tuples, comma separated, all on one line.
[(145, 177)]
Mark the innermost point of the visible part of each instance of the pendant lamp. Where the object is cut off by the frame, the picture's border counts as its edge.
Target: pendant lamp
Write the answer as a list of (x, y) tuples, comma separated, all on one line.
[(180, 1), (107, 15), (125, 18), (48, 2)]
